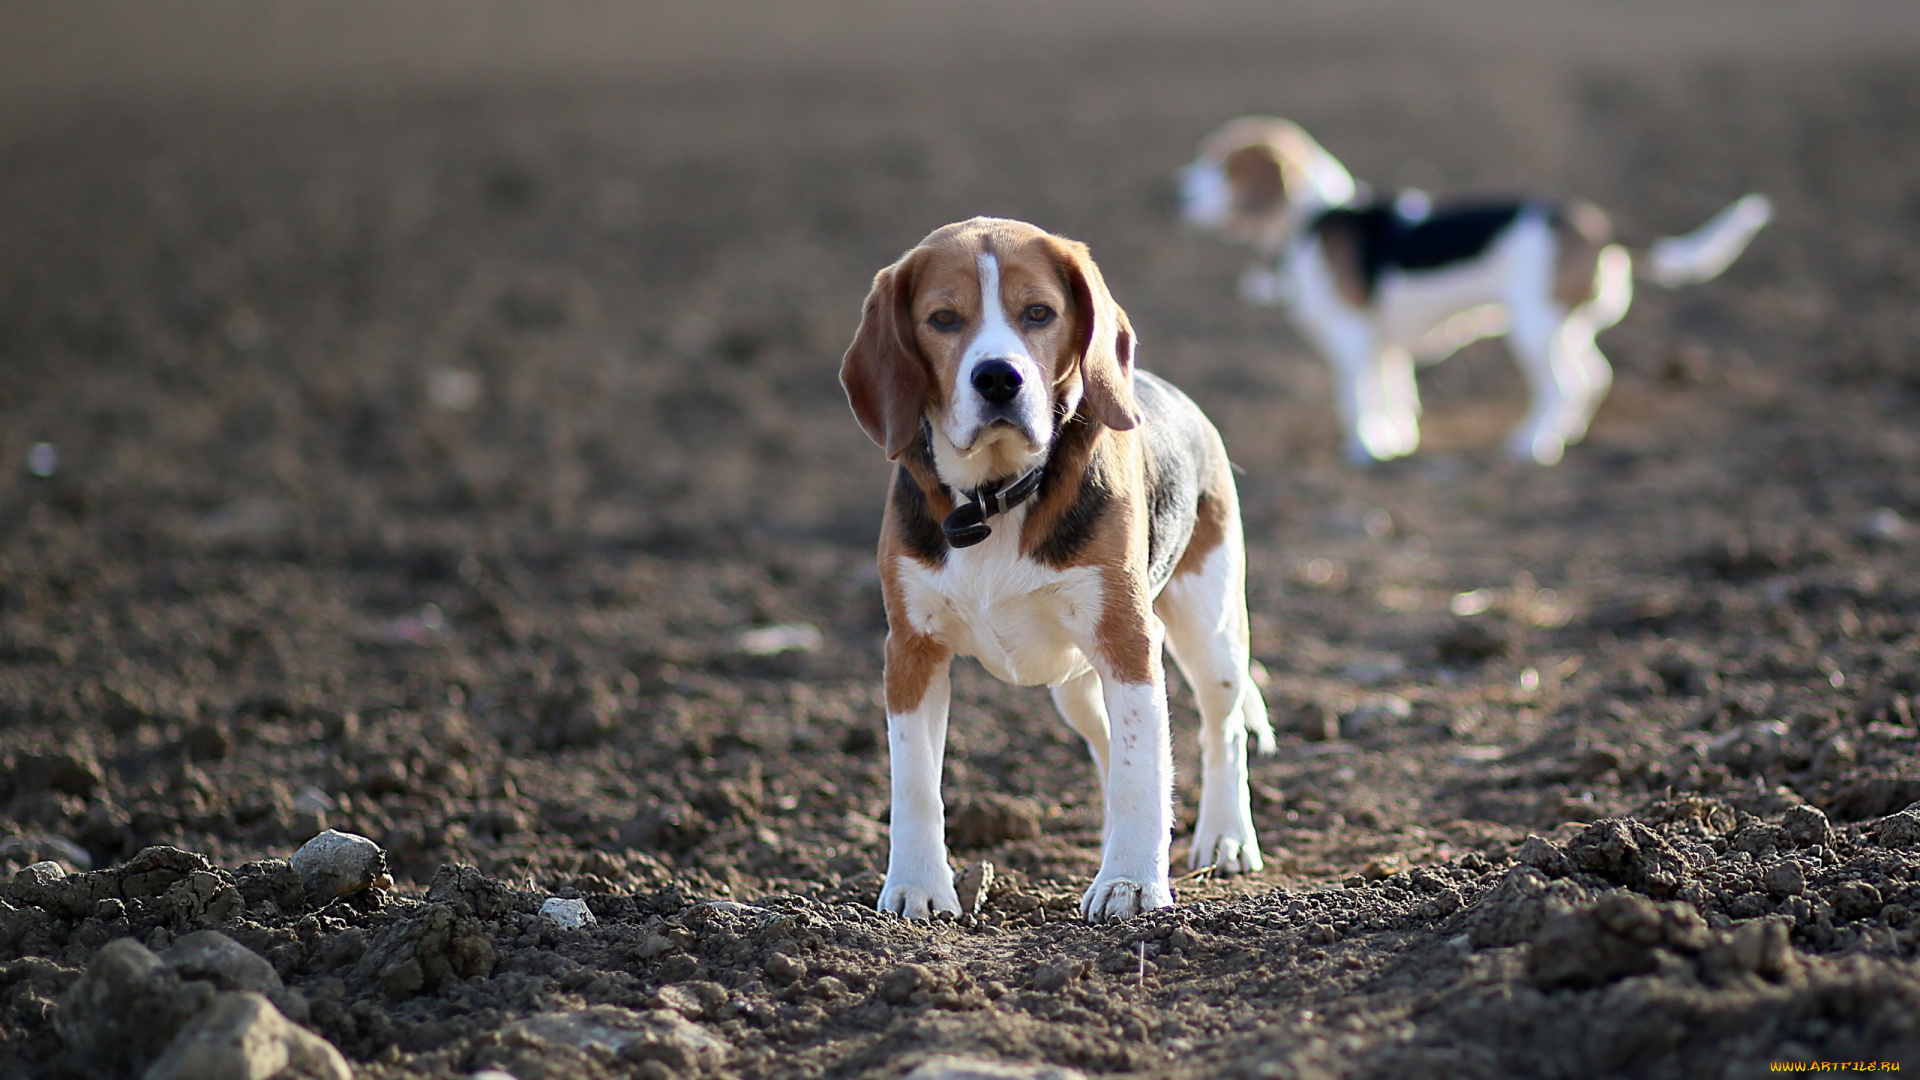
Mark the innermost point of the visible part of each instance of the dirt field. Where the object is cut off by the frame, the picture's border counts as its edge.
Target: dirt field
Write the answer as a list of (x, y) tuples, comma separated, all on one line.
[(432, 420)]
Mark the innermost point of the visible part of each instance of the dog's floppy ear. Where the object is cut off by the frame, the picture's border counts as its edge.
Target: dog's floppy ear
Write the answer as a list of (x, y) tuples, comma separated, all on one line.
[(883, 373), (1106, 344)]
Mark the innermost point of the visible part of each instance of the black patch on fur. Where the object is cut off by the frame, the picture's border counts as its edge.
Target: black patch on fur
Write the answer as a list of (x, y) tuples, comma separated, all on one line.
[(1388, 240), (1074, 528), (1174, 432), (920, 531)]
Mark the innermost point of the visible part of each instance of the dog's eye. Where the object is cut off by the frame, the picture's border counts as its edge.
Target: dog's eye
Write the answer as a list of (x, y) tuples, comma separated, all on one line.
[(1039, 314), (944, 320)]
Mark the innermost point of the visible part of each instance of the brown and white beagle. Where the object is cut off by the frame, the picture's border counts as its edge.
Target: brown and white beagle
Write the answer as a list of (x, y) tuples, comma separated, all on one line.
[(1056, 514), (1377, 283)]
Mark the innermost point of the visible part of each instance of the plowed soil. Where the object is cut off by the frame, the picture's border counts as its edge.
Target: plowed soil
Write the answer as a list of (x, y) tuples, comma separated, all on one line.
[(440, 455)]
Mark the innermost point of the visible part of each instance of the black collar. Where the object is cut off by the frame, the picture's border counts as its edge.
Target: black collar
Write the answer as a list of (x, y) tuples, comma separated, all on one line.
[(967, 525)]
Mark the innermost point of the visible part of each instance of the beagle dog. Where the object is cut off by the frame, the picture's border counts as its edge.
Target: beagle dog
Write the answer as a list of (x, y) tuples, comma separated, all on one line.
[(1377, 283), (1057, 515)]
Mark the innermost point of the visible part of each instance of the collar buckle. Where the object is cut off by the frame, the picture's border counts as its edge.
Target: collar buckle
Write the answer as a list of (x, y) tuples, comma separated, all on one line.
[(967, 525)]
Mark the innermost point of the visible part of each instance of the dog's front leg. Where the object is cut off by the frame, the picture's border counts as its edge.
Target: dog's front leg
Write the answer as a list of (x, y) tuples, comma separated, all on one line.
[(1139, 794), (919, 881)]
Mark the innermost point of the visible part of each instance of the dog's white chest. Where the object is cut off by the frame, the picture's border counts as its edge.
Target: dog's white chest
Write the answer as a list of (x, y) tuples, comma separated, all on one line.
[(1023, 621)]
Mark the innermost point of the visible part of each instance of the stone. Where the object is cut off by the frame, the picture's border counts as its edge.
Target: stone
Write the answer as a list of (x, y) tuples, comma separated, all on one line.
[(1541, 854), (974, 884), (695, 999), (1901, 830), (1630, 854), (1049, 978), (948, 1067), (784, 969), (1760, 947), (630, 1036), (1805, 827), (241, 1036), (125, 1009), (46, 847), (217, 958), (1784, 879), (567, 914), (336, 864), (1515, 909), (413, 956), (271, 881), (1855, 900)]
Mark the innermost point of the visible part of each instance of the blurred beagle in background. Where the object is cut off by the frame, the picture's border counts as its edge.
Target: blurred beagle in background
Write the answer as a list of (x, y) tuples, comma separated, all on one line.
[(1378, 282), (1056, 514)]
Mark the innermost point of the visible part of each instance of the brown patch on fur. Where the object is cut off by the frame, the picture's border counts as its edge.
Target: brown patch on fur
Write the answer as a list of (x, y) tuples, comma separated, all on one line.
[(1254, 175), (912, 658), (1340, 246), (1211, 522), (1580, 231), (1117, 545)]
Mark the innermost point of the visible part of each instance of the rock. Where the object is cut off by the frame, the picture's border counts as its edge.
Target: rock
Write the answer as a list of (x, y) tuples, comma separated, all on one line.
[(784, 969), (1630, 854), (694, 1000), (1761, 947), (413, 956), (217, 958), (241, 1036), (1901, 830), (973, 884), (1883, 525), (989, 818), (271, 881), (470, 892), (1619, 935), (1542, 855), (660, 1036), (1784, 879), (1806, 826), (126, 1008), (203, 898), (45, 847), (567, 914), (156, 870), (1855, 900), (1049, 978), (336, 864), (899, 985), (946, 1067), (1515, 910)]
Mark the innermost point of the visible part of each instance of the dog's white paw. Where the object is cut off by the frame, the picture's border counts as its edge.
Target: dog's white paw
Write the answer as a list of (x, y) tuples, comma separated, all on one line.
[(1228, 851), (1118, 897), (919, 900)]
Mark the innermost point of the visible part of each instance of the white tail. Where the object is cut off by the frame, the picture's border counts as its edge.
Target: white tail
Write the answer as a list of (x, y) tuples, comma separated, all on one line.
[(1703, 253)]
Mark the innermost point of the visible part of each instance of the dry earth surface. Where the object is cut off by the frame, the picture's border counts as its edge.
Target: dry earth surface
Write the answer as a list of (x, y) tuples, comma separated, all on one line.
[(437, 412)]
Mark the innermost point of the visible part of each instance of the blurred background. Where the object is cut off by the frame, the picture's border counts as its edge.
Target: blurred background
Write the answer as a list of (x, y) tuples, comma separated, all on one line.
[(418, 409)]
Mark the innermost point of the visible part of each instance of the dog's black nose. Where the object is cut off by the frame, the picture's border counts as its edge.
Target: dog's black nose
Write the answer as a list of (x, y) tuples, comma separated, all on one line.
[(997, 381)]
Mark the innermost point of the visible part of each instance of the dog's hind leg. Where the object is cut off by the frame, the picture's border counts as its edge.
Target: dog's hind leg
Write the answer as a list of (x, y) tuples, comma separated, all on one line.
[(1374, 391), (1205, 613), (1560, 378), (1080, 704)]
